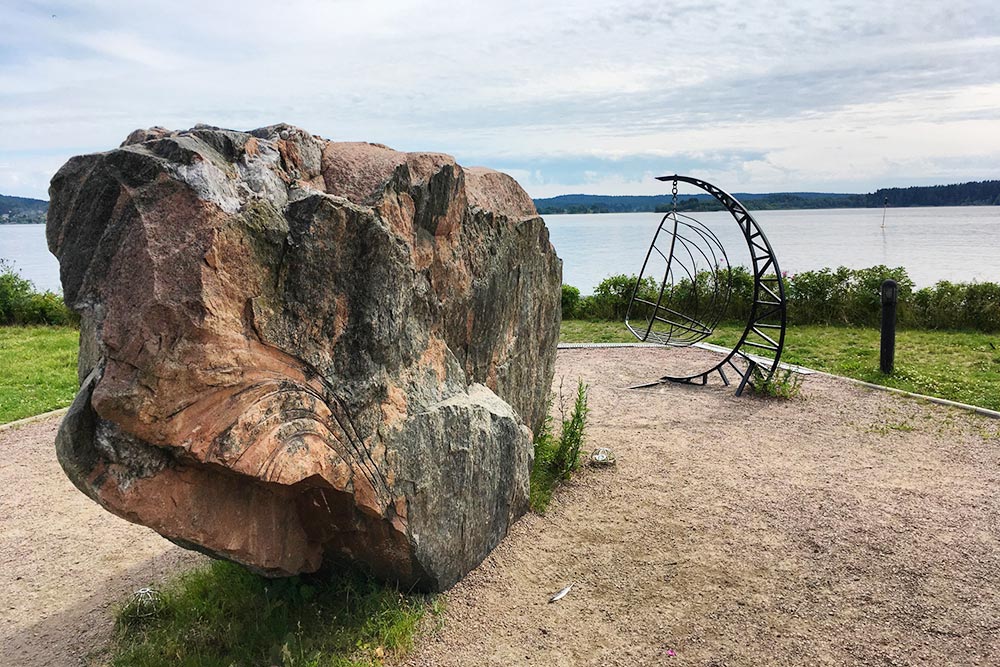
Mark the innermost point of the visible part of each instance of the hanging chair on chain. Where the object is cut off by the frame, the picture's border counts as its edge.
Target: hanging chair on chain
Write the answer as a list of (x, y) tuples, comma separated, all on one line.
[(686, 288)]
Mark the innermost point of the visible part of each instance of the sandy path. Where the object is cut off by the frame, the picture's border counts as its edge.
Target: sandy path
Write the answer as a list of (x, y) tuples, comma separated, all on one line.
[(852, 527), (64, 561)]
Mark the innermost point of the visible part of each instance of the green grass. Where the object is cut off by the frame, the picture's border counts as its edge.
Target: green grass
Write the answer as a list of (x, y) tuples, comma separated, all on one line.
[(582, 331), (960, 366), (222, 615), (37, 370), (38, 364)]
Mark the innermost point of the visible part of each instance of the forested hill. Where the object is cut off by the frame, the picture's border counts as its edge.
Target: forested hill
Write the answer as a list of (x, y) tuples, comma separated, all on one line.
[(21, 210), (980, 193)]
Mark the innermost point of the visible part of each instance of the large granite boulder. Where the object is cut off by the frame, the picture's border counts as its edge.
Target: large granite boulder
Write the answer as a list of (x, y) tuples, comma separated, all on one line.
[(295, 351)]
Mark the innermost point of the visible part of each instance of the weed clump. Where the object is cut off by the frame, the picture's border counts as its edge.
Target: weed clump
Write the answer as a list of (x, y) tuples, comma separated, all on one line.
[(556, 458), (784, 383)]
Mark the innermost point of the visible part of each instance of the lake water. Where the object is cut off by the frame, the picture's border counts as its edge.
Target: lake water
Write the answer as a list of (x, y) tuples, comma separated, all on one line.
[(25, 246), (958, 244), (941, 243)]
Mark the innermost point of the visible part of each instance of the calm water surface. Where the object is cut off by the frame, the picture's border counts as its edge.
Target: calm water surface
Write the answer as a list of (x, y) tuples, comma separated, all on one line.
[(946, 243), (958, 244), (25, 246)]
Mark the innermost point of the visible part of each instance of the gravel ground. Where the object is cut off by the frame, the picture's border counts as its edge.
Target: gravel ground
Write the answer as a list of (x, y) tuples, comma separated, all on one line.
[(64, 561), (848, 527)]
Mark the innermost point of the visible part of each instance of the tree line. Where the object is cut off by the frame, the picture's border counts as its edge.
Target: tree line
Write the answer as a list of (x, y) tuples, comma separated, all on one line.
[(22, 210), (976, 193), (842, 296)]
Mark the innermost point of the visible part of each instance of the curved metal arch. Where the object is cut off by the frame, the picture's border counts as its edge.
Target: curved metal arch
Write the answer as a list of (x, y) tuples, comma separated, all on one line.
[(768, 311)]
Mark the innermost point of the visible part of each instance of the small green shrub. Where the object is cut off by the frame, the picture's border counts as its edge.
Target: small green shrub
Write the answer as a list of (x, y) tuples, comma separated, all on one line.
[(542, 482), (863, 299), (610, 299), (557, 458), (819, 295), (570, 301), (14, 290), (982, 306), (950, 305), (567, 455), (21, 304), (46, 308)]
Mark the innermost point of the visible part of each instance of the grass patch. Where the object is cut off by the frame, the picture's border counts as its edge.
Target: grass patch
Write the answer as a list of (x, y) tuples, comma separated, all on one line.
[(960, 366), (222, 615), (557, 458), (886, 427), (584, 331), (783, 384), (37, 370), (38, 364)]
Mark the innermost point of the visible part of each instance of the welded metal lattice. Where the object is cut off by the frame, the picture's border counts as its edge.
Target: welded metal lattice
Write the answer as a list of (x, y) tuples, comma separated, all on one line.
[(687, 286)]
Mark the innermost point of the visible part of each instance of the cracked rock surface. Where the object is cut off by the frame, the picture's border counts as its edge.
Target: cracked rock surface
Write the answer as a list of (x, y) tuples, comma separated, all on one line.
[(297, 352)]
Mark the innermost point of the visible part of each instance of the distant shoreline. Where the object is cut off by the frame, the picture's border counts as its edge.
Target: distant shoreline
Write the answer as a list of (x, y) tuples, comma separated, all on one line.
[(751, 208), (25, 211), (979, 193)]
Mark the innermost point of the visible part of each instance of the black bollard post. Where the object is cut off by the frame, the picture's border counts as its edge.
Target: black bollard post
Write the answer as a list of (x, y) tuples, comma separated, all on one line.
[(890, 297)]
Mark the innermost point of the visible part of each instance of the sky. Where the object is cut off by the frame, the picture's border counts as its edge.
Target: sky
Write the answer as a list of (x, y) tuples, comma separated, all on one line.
[(568, 97)]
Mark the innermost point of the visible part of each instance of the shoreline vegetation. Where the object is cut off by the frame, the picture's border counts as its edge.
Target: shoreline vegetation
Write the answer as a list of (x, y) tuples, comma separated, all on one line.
[(831, 297), (978, 193), (948, 339)]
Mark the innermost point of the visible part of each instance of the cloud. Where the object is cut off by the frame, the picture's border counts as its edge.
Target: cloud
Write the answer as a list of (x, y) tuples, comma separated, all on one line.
[(774, 95)]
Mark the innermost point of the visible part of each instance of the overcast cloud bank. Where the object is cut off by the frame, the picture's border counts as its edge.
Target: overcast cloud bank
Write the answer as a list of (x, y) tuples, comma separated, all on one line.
[(566, 96)]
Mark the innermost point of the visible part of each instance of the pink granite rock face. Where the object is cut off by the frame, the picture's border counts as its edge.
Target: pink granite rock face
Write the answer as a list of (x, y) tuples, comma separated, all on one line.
[(297, 352)]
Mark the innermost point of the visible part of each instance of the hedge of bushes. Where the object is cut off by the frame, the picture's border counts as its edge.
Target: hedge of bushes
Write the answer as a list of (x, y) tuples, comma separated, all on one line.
[(21, 303), (841, 297)]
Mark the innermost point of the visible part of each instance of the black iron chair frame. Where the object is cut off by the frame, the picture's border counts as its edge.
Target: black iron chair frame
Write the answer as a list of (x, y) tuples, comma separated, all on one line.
[(768, 311)]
